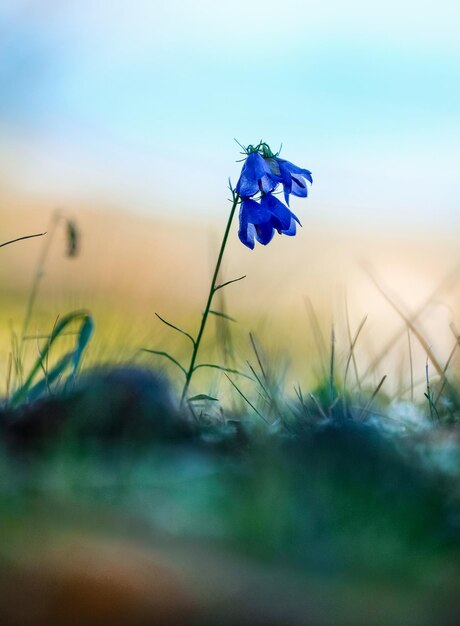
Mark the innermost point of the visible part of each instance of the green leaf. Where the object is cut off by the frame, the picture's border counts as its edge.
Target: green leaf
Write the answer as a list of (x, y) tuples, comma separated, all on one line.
[(229, 282), (202, 396), (7, 243), (167, 356), (84, 337), (224, 315), (50, 377), (222, 369), (179, 330), (71, 358)]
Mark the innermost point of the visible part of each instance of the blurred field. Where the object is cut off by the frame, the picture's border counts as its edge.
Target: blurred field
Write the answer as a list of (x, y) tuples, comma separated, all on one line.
[(337, 525), (130, 266)]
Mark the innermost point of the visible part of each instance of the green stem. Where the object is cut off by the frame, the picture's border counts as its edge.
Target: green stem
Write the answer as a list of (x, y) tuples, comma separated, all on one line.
[(34, 290), (212, 291)]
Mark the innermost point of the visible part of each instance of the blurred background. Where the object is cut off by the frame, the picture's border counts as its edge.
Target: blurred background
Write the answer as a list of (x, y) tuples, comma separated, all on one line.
[(122, 116)]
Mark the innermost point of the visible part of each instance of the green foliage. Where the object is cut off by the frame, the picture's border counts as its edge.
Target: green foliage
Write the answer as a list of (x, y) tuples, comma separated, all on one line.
[(67, 365)]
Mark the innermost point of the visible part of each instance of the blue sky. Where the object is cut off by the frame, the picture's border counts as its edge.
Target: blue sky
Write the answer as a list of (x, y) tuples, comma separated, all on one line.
[(138, 103)]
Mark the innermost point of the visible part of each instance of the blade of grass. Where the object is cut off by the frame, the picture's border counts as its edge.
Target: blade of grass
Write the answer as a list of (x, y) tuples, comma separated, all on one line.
[(351, 355), (351, 358), (257, 377), (445, 284), (9, 370), (228, 282), (223, 315), (259, 360), (317, 334), (448, 362), (428, 395), (49, 377), (221, 368), (224, 334), (411, 366), (372, 398), (7, 243), (72, 358), (318, 406), (299, 394), (411, 326), (202, 396), (246, 400), (166, 356), (39, 271), (332, 365), (179, 330)]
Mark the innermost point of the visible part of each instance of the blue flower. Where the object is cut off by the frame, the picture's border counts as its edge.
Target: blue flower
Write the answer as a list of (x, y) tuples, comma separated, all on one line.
[(293, 178), (256, 176), (260, 220), (262, 172)]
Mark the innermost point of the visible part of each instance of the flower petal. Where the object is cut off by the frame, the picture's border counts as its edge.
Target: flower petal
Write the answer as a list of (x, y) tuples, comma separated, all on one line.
[(255, 176), (291, 176), (246, 234), (294, 169), (264, 232), (251, 211), (246, 231), (291, 231), (273, 164), (281, 215), (299, 188)]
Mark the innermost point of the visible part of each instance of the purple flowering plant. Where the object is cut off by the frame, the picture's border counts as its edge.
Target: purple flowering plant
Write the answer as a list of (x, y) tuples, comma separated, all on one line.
[(261, 213)]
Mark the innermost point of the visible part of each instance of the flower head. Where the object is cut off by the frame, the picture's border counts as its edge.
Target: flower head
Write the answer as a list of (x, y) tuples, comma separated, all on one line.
[(255, 176), (260, 220), (293, 178), (262, 172)]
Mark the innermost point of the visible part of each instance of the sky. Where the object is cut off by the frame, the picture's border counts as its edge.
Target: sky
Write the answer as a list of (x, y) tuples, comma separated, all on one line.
[(137, 104)]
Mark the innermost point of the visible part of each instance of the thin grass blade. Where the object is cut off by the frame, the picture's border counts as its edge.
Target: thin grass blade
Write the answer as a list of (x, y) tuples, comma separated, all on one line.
[(166, 356), (179, 330)]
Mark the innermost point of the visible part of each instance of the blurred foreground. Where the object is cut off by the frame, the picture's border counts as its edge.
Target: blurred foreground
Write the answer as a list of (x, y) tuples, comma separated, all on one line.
[(116, 510)]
